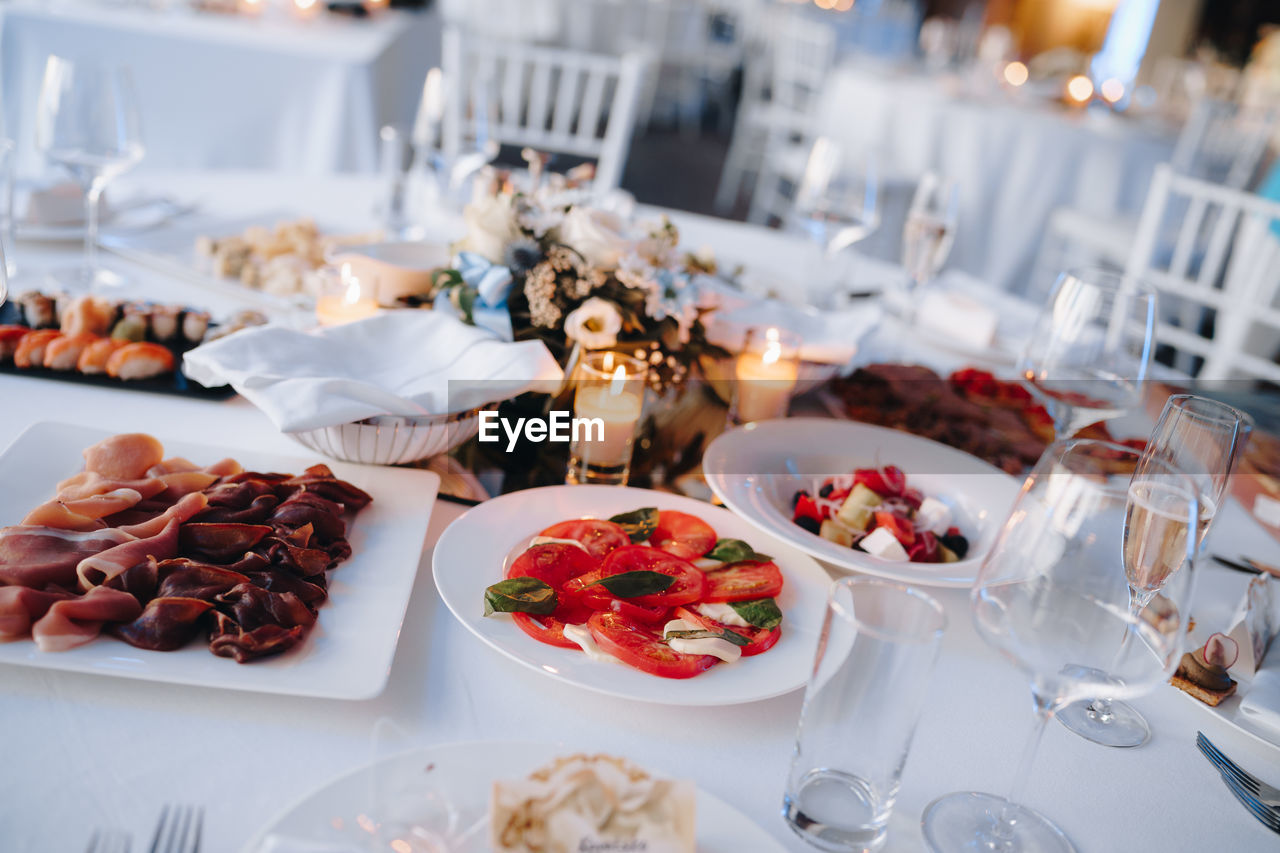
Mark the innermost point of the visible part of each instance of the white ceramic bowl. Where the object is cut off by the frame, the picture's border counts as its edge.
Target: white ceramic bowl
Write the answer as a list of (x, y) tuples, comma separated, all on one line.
[(390, 439), (757, 469)]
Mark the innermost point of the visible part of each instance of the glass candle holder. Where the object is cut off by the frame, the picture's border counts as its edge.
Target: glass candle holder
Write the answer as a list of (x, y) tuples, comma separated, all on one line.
[(344, 297), (608, 400), (766, 372)]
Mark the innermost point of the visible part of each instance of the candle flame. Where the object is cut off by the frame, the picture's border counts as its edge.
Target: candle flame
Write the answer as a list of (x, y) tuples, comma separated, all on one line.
[(619, 380), (1015, 73), (773, 346), (352, 293), (304, 4), (1080, 88)]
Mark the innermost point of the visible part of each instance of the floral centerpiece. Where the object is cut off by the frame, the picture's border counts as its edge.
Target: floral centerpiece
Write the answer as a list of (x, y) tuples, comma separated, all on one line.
[(549, 264)]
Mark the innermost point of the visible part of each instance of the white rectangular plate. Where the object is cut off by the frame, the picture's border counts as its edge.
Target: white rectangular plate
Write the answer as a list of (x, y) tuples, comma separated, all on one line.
[(348, 653)]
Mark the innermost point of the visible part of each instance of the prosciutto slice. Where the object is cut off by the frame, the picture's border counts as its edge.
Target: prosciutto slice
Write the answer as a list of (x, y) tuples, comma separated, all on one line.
[(20, 606), (126, 456), (42, 556), (82, 513), (181, 512), (96, 570), (76, 621), (86, 484)]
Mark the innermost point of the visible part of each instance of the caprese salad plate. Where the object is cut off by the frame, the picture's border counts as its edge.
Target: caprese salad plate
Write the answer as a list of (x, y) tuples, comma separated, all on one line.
[(863, 498), (633, 593)]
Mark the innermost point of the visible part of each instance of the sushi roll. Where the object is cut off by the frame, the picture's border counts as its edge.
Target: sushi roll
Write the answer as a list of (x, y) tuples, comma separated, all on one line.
[(63, 352), (164, 322), (30, 351), (140, 360), (93, 358), (38, 309), (194, 325), (133, 327), (9, 337)]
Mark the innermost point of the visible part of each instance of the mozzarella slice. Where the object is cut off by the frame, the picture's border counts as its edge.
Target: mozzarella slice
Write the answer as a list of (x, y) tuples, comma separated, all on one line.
[(706, 564), (883, 544), (724, 614), (714, 646), (551, 540), (933, 515), (581, 635)]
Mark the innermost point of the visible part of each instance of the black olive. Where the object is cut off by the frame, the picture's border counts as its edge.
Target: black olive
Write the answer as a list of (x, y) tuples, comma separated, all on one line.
[(826, 490), (795, 499), (809, 523), (956, 544)]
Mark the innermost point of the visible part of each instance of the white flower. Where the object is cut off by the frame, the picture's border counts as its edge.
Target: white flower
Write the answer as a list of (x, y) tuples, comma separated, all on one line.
[(598, 235), (594, 324), (491, 225), (658, 247)]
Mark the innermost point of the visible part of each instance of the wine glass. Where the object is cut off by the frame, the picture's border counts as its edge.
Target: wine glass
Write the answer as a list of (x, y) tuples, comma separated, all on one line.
[(1054, 596), (930, 229), (1204, 438), (87, 122), (837, 202), (1090, 347)]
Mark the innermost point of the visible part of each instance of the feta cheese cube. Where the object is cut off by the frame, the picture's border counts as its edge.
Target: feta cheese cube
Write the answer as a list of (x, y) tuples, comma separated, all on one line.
[(933, 515), (883, 544)]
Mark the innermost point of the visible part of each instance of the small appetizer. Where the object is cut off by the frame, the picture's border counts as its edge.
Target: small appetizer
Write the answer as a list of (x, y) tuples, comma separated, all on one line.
[(656, 590), (874, 510), (1203, 673), (90, 315), (93, 358), (31, 348), (140, 360), (63, 352), (10, 335)]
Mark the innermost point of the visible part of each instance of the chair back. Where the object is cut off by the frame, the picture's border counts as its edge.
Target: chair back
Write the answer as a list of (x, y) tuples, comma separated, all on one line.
[(548, 98), (1223, 142), (1218, 280)]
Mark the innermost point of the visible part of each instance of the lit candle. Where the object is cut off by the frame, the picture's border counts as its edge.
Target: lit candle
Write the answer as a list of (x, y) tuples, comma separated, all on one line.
[(1016, 74), (306, 8), (252, 8), (607, 408), (346, 302), (766, 370), (1079, 89)]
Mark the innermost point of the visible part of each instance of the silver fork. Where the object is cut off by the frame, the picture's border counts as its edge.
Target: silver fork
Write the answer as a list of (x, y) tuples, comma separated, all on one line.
[(178, 830), (1266, 815), (109, 841), (1261, 791)]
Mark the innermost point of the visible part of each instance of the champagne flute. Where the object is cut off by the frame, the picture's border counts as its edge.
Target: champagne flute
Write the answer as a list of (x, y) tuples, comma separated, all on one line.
[(837, 203), (1090, 348), (1203, 438), (930, 229), (1054, 597), (87, 122)]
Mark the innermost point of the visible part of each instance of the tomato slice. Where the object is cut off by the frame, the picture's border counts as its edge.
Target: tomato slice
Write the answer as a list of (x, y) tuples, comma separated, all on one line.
[(545, 629), (762, 639), (743, 582), (682, 534), (641, 647), (554, 563), (689, 586), (887, 482), (648, 615), (901, 528), (599, 536)]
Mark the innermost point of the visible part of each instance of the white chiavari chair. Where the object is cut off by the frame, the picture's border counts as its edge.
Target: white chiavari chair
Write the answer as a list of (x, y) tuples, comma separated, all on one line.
[(551, 99), (1219, 285)]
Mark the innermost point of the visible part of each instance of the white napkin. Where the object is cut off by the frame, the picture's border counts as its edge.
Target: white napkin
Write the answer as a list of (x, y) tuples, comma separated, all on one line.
[(397, 363), (828, 337), (1261, 706), (276, 843), (959, 316)]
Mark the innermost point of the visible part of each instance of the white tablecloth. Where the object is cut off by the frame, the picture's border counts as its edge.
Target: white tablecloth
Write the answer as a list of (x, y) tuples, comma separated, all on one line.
[(1016, 162), (84, 751), (228, 91)]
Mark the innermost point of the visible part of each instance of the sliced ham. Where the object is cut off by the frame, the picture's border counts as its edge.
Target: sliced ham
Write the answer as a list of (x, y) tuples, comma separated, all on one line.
[(182, 483), (83, 513), (41, 556), (101, 567), (126, 456), (76, 621), (21, 606), (88, 483), (182, 511)]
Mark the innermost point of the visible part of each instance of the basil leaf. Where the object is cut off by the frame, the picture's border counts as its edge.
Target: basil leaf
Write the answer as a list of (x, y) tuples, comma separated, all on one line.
[(762, 612), (735, 551), (632, 584), (519, 595), (639, 523), (701, 634)]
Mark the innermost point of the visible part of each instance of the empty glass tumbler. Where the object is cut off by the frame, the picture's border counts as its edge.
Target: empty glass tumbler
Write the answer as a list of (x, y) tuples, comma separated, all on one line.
[(875, 657)]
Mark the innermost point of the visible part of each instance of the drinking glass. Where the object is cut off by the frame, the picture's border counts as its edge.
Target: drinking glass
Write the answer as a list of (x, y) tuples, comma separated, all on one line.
[(877, 650), (87, 122), (1067, 594), (930, 229), (7, 148), (837, 203), (1090, 348), (1203, 438)]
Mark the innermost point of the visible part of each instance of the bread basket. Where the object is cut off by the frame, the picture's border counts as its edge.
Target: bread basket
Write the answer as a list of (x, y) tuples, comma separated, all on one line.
[(392, 439)]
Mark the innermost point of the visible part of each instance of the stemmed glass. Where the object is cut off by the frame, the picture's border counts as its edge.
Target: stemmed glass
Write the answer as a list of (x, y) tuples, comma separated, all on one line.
[(1054, 596), (1203, 438), (87, 122), (837, 203), (1090, 348), (930, 229)]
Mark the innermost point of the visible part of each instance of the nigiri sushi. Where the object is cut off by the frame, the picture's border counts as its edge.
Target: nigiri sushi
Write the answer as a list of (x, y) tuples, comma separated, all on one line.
[(63, 352), (140, 360), (93, 358), (30, 351), (9, 337), (88, 314)]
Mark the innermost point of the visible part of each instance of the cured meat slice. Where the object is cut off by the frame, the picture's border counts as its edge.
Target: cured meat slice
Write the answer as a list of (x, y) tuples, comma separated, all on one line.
[(185, 578), (88, 483), (253, 622), (181, 512), (258, 511), (126, 456), (320, 480), (221, 543), (76, 621), (42, 556), (182, 483), (166, 624), (96, 570), (20, 606), (84, 513)]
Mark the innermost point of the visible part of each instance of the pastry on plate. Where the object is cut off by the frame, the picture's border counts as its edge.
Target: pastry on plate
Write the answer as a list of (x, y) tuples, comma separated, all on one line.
[(1203, 673)]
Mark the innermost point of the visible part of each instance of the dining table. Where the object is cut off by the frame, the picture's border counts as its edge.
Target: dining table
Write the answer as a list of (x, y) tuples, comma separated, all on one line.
[(89, 750)]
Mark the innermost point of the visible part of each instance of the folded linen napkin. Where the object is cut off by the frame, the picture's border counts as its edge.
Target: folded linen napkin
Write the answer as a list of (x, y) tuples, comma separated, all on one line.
[(396, 363), (1261, 706)]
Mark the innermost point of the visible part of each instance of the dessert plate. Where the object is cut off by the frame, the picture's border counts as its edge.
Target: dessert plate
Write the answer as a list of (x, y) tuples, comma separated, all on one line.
[(439, 797), (348, 653), (474, 550), (1228, 711), (757, 469)]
